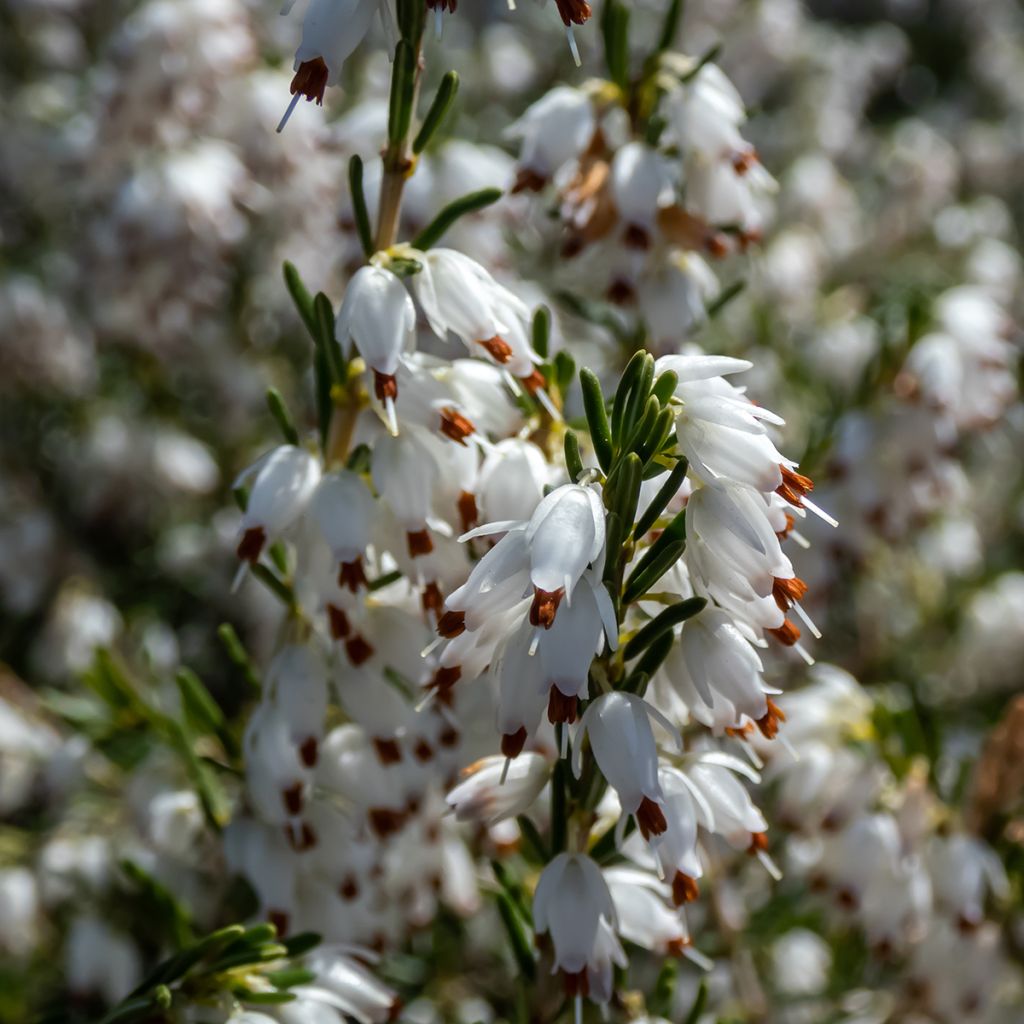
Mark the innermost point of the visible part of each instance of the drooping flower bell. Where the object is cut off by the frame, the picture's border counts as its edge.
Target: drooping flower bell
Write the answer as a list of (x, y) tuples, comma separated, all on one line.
[(343, 509), (377, 315)]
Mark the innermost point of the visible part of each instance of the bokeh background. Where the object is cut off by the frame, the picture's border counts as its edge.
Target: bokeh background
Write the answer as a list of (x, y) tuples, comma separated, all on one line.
[(146, 207)]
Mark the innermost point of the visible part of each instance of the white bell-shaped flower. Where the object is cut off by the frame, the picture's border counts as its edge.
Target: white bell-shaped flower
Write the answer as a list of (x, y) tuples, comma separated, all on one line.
[(285, 480), (343, 509), (522, 695), (553, 131), (705, 114), (622, 740), (570, 901), (641, 184), (378, 316), (492, 790)]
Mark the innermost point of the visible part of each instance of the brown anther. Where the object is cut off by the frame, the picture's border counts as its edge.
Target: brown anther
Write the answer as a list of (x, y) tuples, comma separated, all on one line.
[(743, 160), (311, 80), (431, 598), (576, 984), (338, 622), (385, 385), (301, 840), (279, 919), (512, 743), (448, 737), (419, 543), (968, 925), (684, 889), (790, 523), (573, 12), (740, 732), (636, 237), (446, 677), (749, 238), (388, 750), (650, 818), (787, 592), (384, 821), (768, 723), (251, 544), (787, 633), (528, 180), (794, 486), (309, 751), (560, 707), (847, 899), (292, 798), (498, 348), (456, 426), (758, 843), (349, 888), (534, 382), (358, 649), (468, 512), (677, 947), (452, 624), (423, 751), (545, 606), (717, 245), (620, 293), (351, 574), (443, 5)]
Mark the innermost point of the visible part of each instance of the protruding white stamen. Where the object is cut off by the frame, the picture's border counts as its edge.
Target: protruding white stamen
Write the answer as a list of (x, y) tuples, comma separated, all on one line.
[(808, 622), (578, 1009), (800, 539), (695, 956), (504, 771), (549, 407), (565, 742), (239, 577), (573, 48), (432, 646), (389, 411), (769, 865), (820, 512), (804, 653), (288, 112), (438, 20)]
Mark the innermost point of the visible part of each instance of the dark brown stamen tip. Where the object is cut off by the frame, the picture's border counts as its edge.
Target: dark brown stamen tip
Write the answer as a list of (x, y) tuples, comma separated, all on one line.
[(311, 80), (528, 180), (448, 737), (349, 888), (743, 160), (768, 723), (418, 543), (621, 293), (794, 486), (351, 574), (309, 751), (787, 633), (455, 426), (717, 245), (431, 598), (573, 12), (576, 984), (650, 818), (758, 843), (636, 237), (338, 622), (385, 385), (545, 606), (388, 750), (446, 677), (534, 382), (302, 839), (684, 889), (512, 743), (790, 523), (279, 919), (423, 751), (384, 821), (560, 707), (468, 512), (358, 649), (452, 624), (251, 544), (787, 592), (498, 349), (292, 798)]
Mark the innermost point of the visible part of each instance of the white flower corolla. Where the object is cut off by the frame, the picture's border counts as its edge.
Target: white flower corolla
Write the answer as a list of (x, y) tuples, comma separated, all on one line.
[(261, 853), (343, 509), (522, 694), (512, 480), (404, 471), (350, 768), (100, 961), (622, 740), (492, 791), (331, 30), (342, 984), (733, 194), (673, 297), (643, 912), (377, 315), (553, 131), (278, 780), (641, 184), (676, 848), (964, 870), (570, 902), (726, 808), (285, 480), (801, 962), (20, 917), (366, 696), (459, 296), (717, 661), (705, 114), (605, 957), (568, 648), (296, 683)]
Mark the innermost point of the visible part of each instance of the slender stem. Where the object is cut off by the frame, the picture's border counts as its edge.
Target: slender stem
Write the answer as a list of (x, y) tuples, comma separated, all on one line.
[(398, 162)]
